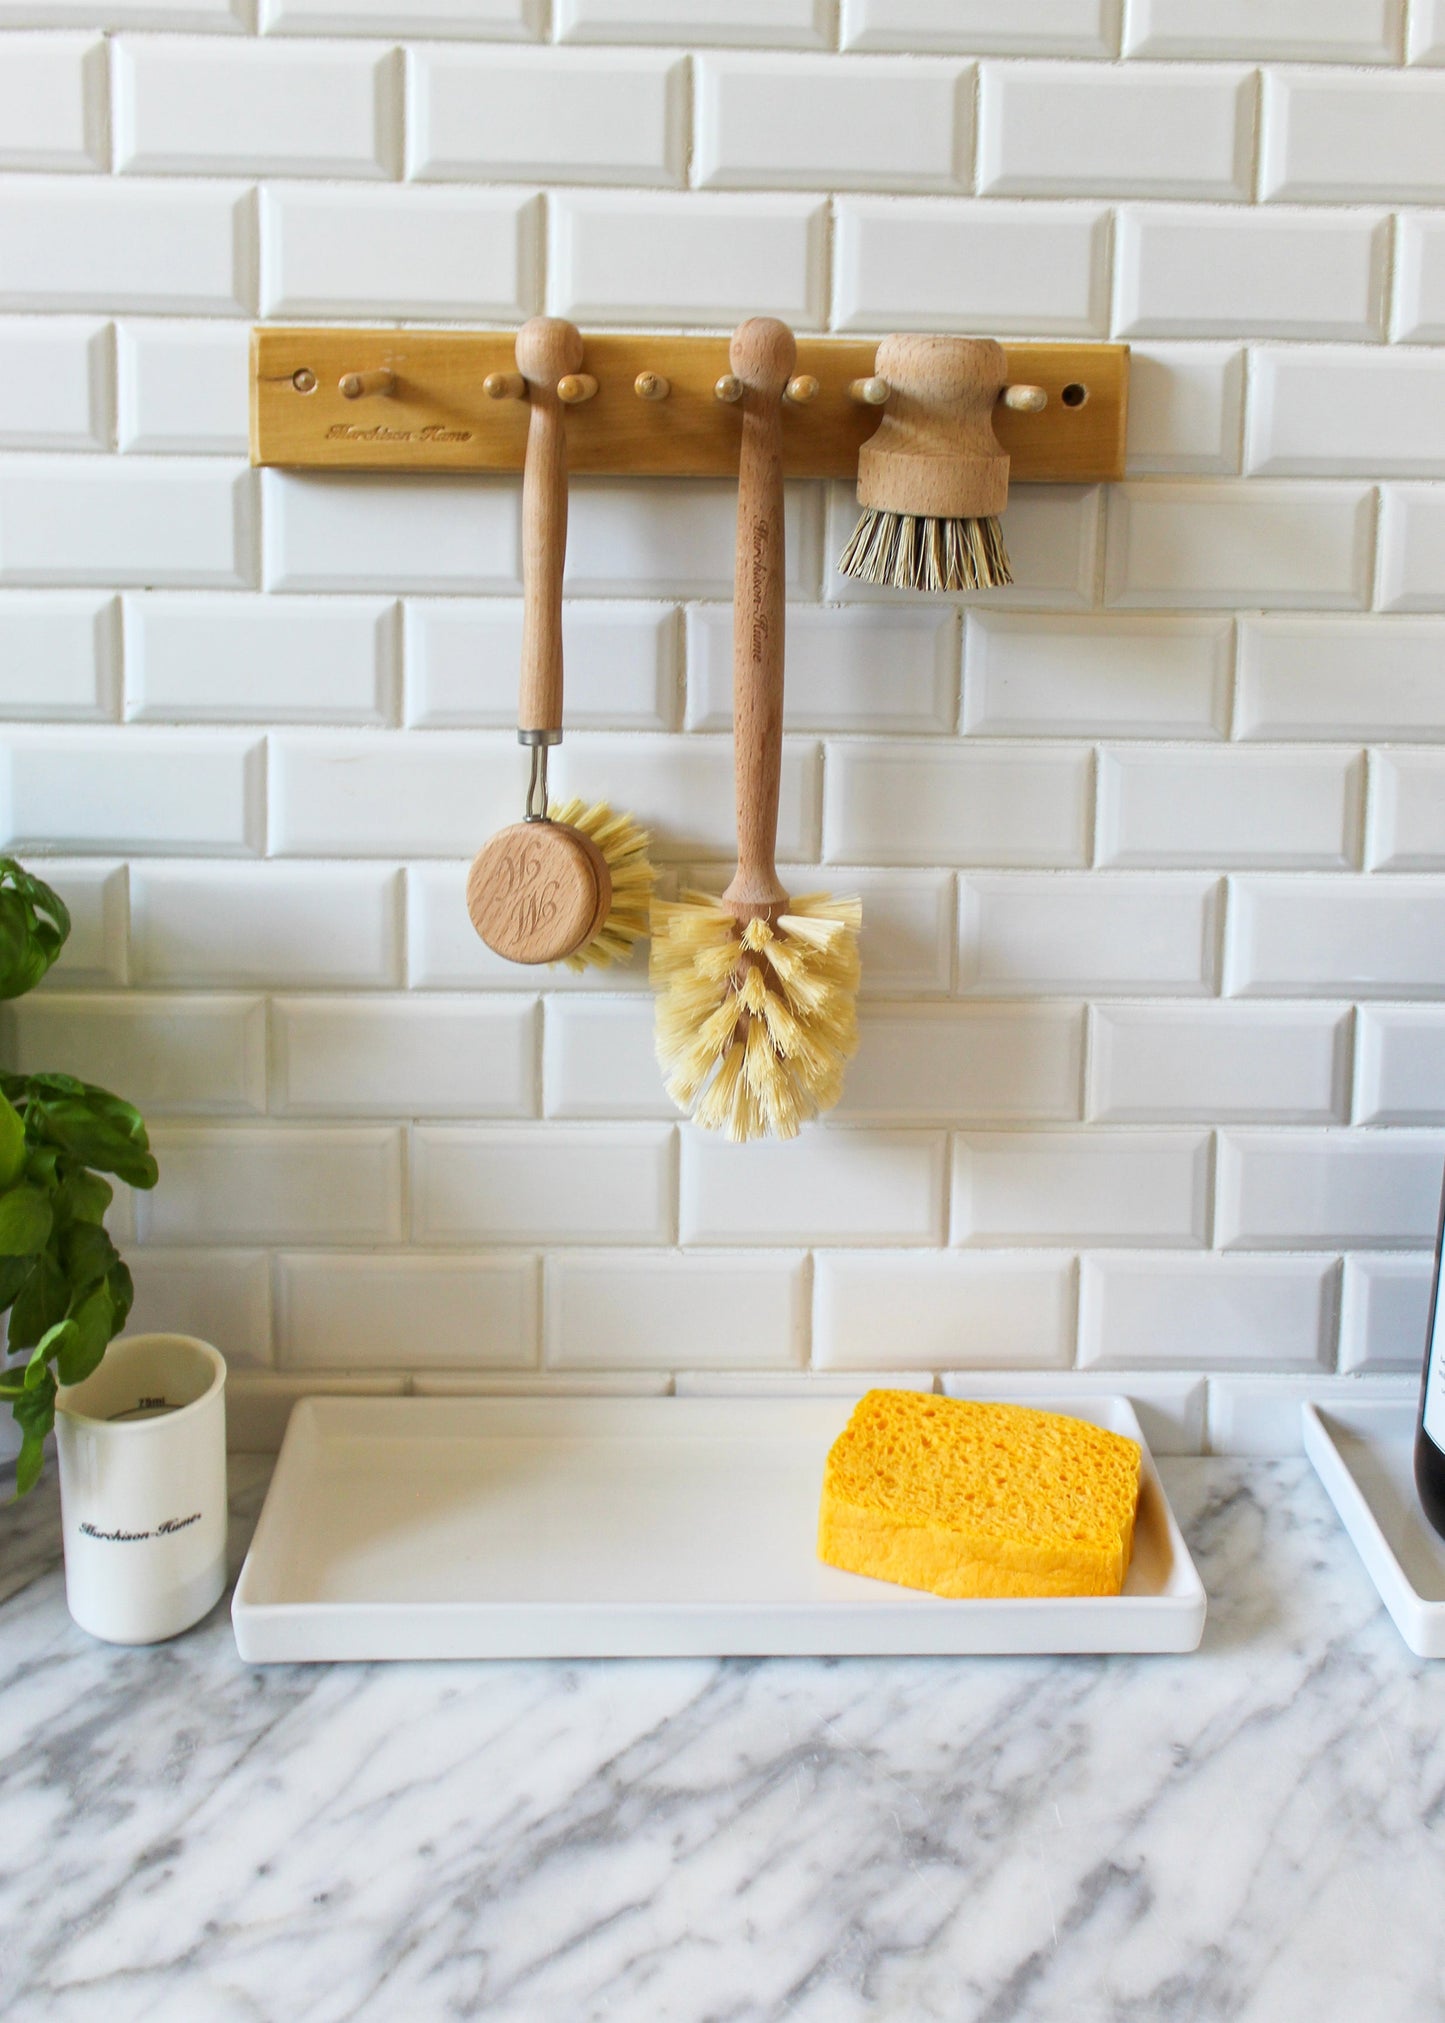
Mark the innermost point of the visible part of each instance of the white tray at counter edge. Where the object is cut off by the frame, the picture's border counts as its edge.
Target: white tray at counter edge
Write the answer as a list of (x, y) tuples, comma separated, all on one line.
[(627, 1527), (1364, 1454)]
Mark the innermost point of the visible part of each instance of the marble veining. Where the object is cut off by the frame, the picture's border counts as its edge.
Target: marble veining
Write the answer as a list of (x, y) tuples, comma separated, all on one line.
[(1253, 1833)]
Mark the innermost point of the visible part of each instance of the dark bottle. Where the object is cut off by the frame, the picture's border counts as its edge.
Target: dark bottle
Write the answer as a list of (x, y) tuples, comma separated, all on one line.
[(1430, 1435)]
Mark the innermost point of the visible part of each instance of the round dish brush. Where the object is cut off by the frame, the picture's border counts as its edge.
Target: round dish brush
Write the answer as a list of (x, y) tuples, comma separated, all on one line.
[(571, 883), (755, 1008), (932, 479)]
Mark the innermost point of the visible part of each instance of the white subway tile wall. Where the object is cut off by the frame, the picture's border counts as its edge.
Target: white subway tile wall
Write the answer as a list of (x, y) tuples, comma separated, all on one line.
[(1151, 846)]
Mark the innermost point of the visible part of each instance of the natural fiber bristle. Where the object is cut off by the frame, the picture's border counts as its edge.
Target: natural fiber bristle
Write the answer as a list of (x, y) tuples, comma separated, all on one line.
[(624, 845), (755, 1019), (919, 554)]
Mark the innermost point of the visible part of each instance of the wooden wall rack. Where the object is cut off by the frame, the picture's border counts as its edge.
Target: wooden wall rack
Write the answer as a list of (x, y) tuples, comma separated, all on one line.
[(417, 400)]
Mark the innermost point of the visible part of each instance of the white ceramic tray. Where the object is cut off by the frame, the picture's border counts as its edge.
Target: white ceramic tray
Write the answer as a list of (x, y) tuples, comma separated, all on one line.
[(1365, 1456), (625, 1527)]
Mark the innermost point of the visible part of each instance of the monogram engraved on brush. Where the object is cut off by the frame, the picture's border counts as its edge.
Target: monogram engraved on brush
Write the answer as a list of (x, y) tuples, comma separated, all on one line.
[(523, 884)]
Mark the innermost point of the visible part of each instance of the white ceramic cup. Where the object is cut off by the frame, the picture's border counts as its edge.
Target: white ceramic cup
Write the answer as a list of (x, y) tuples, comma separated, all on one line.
[(142, 1446)]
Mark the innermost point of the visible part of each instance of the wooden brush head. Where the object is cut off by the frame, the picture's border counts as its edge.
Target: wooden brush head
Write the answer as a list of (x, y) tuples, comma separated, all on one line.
[(934, 454)]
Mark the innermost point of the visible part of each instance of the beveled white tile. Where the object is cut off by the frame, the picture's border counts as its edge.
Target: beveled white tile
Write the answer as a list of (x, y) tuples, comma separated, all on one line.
[(230, 926), (406, 1311), (673, 537), (694, 257), (546, 115), (183, 386), (1327, 412), (462, 657), (654, 1309), (54, 102), (404, 1057), (1146, 130), (801, 24), (1346, 31), (543, 1183), (1219, 1063), (829, 1186), (1385, 1312), (1316, 678), (1204, 546), (112, 790), (919, 1064), (164, 521), (173, 1056), (1040, 1188), (1160, 806), (220, 658), (97, 896), (934, 803), (600, 1059), (221, 1296), (364, 531), (1291, 1190), (1186, 407), (920, 263), (1336, 937), (1412, 548), (273, 1184), (1420, 269), (1207, 1313), (1356, 137), (1193, 271), (1407, 811), (1400, 1065), (1044, 28), (73, 243), (60, 655), (825, 122), (1040, 676), (943, 1311), (1082, 935), (55, 383)]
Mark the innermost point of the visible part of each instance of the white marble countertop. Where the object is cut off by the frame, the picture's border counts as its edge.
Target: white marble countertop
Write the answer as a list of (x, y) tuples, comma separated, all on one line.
[(1252, 1833)]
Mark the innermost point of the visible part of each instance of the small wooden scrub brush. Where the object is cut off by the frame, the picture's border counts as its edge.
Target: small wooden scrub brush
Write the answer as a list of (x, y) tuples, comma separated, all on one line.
[(568, 884), (755, 1008), (932, 479)]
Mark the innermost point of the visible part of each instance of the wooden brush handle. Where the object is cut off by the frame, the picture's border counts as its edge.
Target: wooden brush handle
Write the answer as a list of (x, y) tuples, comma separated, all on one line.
[(762, 356), (934, 454), (547, 350)]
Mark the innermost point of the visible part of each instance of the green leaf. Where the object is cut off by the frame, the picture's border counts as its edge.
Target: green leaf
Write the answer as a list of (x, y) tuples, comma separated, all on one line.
[(93, 1325), (34, 1415), (121, 1287), (92, 1126), (12, 1144), (86, 1254), (25, 1222), (13, 1273), (83, 1197), (34, 925), (43, 1300), (52, 1343)]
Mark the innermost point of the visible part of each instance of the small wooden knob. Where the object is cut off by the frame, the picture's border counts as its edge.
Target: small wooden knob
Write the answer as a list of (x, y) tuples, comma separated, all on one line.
[(1025, 399), (872, 392), (729, 388), (575, 387), (802, 388), (504, 386), (651, 386), (354, 384)]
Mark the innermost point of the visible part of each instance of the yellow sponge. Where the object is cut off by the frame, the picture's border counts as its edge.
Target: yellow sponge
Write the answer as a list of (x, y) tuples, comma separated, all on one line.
[(966, 1499)]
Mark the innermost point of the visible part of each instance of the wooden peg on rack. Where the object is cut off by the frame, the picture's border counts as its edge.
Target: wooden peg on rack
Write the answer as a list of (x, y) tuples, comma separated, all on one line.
[(729, 388), (354, 384), (651, 386), (504, 386), (1025, 399), (575, 387), (870, 392), (802, 388)]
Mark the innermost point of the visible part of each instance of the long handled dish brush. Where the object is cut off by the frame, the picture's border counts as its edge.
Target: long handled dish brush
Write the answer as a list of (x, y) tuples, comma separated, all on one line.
[(571, 883), (755, 1008), (932, 479)]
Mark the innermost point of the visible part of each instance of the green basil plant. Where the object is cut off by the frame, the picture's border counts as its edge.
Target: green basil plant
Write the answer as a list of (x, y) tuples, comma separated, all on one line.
[(60, 1275)]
